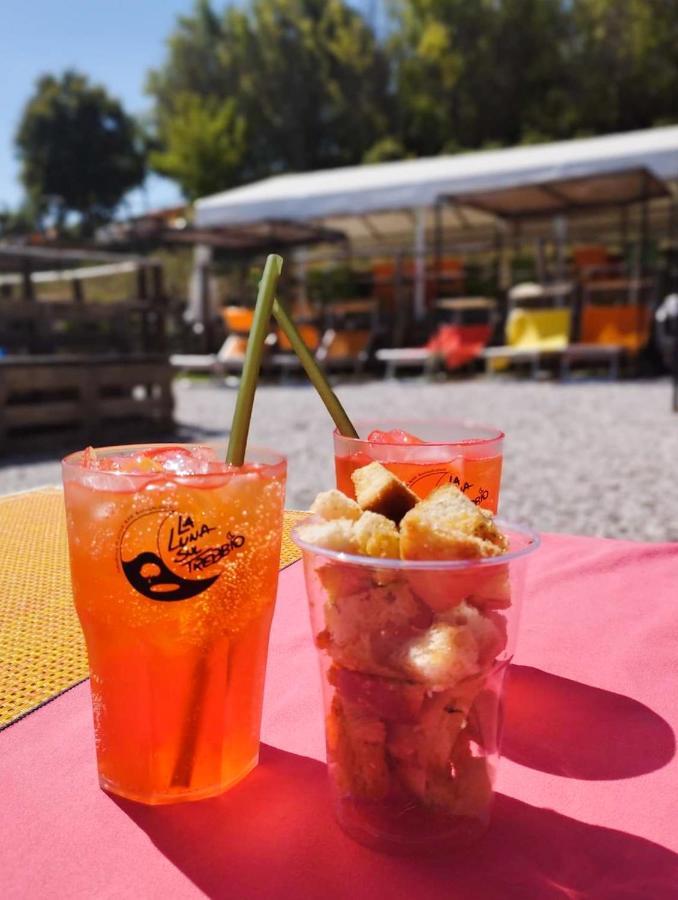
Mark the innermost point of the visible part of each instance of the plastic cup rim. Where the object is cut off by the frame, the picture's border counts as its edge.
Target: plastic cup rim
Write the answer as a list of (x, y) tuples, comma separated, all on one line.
[(498, 435), (425, 565), (72, 462)]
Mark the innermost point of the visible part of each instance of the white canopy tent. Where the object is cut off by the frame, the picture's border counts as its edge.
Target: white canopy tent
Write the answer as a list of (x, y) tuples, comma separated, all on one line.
[(412, 184), (401, 195)]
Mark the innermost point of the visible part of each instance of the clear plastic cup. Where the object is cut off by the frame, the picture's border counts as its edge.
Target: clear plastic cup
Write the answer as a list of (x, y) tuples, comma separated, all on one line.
[(174, 575), (455, 451), (413, 657)]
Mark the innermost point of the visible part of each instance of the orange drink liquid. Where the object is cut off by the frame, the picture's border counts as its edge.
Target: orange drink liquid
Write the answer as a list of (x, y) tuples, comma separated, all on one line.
[(426, 455), (174, 563)]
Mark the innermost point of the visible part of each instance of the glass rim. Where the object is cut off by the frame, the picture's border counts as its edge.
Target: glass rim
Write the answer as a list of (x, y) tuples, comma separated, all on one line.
[(426, 565), (497, 433), (73, 461)]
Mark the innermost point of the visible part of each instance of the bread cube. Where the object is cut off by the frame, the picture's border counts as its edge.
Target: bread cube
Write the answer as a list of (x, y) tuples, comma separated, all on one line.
[(442, 656), (335, 534), (356, 748), (339, 578), (376, 535), (493, 589), (335, 505), (424, 751), (447, 525), (379, 491), (489, 629), (366, 630), (463, 788), (386, 698)]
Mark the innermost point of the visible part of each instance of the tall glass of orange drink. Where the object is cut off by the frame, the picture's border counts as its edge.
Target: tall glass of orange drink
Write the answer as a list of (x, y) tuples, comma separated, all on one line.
[(426, 454), (174, 562)]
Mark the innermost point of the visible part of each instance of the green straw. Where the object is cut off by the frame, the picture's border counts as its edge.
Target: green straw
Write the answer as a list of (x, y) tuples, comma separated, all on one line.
[(235, 455), (237, 443), (315, 374)]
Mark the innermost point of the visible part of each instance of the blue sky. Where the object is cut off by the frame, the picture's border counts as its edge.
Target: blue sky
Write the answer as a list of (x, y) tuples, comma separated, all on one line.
[(114, 42)]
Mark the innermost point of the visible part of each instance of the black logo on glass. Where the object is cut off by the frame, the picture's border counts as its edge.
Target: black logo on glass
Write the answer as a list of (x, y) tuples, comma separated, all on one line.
[(435, 477), (185, 546)]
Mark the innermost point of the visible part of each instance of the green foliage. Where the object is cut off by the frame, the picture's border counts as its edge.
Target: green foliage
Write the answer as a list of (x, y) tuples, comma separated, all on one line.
[(388, 149), (80, 152), (307, 76), (626, 61), (15, 222), (205, 144), (331, 283), (475, 74), (291, 85), (501, 72)]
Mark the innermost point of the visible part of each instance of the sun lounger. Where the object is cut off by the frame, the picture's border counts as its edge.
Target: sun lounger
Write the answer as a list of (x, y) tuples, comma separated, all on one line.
[(621, 325), (429, 361), (531, 336), (283, 359), (591, 354), (341, 349), (228, 360), (451, 347)]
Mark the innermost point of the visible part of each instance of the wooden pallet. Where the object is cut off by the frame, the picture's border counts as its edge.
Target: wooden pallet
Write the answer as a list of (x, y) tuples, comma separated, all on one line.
[(71, 401)]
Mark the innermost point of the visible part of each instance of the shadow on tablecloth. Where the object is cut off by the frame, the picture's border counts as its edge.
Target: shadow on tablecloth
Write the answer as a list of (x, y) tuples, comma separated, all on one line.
[(272, 837), (571, 729)]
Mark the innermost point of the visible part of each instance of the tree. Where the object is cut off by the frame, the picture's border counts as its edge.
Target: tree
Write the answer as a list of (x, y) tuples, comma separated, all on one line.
[(79, 151), (474, 74), (291, 85), (625, 63), (499, 72), (16, 222), (205, 144), (296, 84)]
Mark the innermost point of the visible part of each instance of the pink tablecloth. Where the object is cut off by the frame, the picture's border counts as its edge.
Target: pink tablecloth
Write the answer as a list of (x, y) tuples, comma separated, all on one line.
[(588, 791)]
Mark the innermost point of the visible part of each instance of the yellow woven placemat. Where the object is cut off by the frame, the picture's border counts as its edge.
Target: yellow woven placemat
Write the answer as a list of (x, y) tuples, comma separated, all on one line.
[(42, 652)]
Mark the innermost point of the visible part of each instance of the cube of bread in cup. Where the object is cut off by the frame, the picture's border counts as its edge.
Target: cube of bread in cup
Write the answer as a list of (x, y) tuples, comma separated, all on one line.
[(442, 655), (377, 536), (469, 792), (356, 748), (379, 491), (335, 505), (334, 534), (447, 525), (365, 631)]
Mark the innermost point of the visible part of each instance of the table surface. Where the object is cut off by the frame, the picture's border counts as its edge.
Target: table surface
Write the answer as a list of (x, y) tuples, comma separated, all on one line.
[(586, 803), (41, 644)]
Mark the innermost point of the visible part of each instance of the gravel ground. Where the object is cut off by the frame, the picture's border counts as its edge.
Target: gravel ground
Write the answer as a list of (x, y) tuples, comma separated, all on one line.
[(592, 458)]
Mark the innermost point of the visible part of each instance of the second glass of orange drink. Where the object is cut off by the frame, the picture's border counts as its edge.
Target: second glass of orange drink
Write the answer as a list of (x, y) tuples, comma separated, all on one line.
[(426, 454), (174, 561)]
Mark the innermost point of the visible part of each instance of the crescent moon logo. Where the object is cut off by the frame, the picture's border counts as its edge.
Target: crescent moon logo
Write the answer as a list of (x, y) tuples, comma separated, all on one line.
[(149, 575), (158, 548)]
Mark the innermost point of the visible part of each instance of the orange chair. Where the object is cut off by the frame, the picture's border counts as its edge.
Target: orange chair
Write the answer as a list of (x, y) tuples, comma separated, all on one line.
[(449, 278), (383, 276), (588, 256), (626, 326), (285, 360), (344, 349), (309, 333), (592, 262), (238, 319)]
